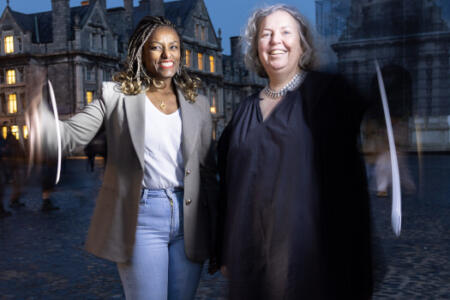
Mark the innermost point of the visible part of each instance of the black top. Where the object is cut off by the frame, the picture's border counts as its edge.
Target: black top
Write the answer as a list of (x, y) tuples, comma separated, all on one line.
[(284, 234)]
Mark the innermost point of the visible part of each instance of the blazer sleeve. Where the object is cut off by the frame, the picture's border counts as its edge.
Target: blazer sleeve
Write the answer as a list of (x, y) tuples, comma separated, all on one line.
[(209, 179), (77, 131)]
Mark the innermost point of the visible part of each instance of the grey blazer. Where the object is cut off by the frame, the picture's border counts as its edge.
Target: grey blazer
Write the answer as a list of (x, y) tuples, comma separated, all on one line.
[(113, 226)]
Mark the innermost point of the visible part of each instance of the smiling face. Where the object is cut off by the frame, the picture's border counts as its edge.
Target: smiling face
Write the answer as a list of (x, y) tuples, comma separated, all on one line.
[(279, 48), (161, 53)]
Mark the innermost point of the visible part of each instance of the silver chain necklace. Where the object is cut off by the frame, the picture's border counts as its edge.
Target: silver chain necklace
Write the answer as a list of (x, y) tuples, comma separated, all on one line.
[(290, 86)]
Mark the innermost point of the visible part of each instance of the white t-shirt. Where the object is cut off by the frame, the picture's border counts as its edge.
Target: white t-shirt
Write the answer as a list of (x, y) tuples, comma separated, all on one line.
[(163, 157)]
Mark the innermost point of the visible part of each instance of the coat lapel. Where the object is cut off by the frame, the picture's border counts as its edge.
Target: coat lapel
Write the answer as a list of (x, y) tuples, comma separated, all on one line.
[(191, 120), (135, 112)]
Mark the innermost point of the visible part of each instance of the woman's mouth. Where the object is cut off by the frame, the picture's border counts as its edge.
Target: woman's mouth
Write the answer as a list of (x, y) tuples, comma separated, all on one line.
[(166, 64), (277, 52)]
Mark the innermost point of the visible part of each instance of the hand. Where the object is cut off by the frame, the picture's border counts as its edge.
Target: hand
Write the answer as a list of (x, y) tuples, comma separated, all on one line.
[(212, 266), (36, 77), (224, 271)]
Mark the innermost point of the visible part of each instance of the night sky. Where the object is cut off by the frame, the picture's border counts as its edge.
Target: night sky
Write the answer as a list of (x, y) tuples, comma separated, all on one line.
[(229, 15)]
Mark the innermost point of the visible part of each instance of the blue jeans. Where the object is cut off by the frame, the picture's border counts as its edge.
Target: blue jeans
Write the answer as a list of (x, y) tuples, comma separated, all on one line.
[(159, 268)]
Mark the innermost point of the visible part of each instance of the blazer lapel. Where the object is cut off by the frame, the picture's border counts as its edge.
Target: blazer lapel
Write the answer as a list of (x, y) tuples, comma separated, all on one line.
[(190, 119), (135, 112)]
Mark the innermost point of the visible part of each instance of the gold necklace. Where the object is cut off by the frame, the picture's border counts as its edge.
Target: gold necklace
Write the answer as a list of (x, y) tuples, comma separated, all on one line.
[(162, 105)]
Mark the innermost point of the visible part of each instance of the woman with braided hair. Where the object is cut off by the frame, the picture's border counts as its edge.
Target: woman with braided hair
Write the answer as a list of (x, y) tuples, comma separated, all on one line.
[(155, 210)]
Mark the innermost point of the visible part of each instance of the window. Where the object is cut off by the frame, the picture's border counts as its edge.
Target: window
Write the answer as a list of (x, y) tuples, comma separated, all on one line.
[(188, 58), (89, 96), (90, 74), (15, 131), (197, 31), (213, 108), (11, 76), (200, 61), (211, 64), (103, 42), (203, 33), (9, 44), (25, 131), (19, 44), (12, 103), (4, 132)]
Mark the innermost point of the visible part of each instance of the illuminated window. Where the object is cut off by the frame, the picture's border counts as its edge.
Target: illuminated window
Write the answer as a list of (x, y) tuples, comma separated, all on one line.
[(11, 76), (188, 58), (15, 131), (9, 44), (4, 132), (25, 131), (211, 64), (213, 108), (200, 61), (89, 96), (12, 103)]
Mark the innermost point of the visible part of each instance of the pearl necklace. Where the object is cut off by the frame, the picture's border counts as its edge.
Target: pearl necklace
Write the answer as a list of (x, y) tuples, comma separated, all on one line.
[(290, 86)]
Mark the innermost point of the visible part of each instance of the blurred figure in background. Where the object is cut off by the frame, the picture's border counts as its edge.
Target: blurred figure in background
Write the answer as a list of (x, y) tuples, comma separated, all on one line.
[(96, 147), (375, 140), (13, 157)]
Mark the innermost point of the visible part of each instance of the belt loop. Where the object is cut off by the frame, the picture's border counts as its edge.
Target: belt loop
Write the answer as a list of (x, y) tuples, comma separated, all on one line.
[(169, 193)]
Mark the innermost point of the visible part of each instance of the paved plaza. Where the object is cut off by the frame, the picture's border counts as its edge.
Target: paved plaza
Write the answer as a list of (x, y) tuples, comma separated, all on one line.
[(42, 256)]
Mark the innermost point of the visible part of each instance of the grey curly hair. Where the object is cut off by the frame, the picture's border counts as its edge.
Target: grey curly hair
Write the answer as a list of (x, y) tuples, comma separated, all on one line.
[(134, 79), (308, 59)]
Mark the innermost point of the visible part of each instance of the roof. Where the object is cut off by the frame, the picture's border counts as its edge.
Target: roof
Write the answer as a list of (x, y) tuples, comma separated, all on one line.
[(40, 24)]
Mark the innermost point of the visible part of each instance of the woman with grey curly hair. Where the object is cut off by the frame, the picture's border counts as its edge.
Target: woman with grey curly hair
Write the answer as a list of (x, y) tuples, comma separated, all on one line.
[(155, 211), (294, 203)]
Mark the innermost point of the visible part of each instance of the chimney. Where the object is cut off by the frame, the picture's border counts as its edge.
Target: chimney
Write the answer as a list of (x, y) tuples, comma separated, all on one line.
[(103, 4), (236, 47), (153, 7), (156, 7), (60, 23), (128, 5)]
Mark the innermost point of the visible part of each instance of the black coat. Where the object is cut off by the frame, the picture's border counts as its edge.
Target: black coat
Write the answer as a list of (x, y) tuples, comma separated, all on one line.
[(336, 256)]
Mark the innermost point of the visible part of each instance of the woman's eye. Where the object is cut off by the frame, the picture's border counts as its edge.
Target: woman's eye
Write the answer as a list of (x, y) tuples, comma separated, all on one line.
[(174, 47), (154, 48)]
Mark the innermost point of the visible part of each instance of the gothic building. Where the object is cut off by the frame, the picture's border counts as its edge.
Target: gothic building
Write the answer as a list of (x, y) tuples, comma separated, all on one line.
[(411, 41), (84, 45)]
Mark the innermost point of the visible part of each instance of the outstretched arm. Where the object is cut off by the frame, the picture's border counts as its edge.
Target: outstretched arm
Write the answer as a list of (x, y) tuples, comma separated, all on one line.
[(77, 131)]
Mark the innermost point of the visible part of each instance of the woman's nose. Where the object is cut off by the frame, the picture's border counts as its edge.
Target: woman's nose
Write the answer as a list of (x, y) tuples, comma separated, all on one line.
[(165, 53), (275, 38)]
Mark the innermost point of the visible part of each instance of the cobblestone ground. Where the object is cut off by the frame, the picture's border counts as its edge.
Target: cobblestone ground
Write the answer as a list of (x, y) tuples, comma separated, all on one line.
[(41, 254)]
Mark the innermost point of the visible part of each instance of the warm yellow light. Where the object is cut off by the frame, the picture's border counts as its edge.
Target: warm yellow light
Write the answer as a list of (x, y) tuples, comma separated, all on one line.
[(25, 131), (15, 131), (11, 76), (9, 44), (188, 58), (89, 96), (212, 67), (212, 109), (12, 103), (200, 61), (5, 132)]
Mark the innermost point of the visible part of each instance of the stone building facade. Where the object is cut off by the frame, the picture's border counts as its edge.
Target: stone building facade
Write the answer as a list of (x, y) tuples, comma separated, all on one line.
[(85, 45), (411, 41)]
